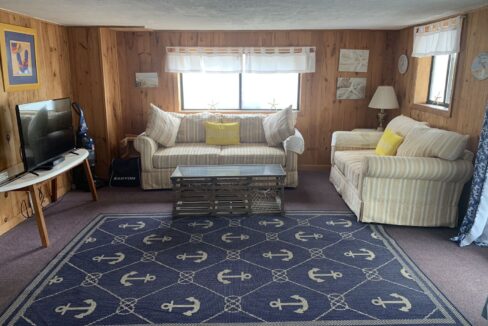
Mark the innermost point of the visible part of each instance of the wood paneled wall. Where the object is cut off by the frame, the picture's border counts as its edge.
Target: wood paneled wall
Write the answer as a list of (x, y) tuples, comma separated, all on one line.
[(470, 95), (54, 78), (95, 83), (320, 113)]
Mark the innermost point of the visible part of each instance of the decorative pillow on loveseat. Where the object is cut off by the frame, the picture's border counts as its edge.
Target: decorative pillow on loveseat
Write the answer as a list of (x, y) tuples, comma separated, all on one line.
[(279, 126), (402, 125), (162, 126), (432, 142), (389, 143)]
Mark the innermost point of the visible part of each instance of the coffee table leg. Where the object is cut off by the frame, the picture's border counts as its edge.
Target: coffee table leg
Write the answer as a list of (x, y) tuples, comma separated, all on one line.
[(282, 190), (41, 224)]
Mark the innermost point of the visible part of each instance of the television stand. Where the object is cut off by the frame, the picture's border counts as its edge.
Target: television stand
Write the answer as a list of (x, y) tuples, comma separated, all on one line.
[(53, 163), (31, 181)]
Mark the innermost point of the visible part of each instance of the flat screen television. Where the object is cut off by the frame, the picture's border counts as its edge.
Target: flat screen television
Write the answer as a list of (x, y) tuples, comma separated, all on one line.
[(46, 132)]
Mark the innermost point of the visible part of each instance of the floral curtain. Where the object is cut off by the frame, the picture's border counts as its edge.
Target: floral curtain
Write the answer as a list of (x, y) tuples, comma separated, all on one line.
[(474, 227)]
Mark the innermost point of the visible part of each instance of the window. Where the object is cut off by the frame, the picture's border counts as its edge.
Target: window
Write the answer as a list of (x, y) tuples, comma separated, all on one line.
[(441, 80), (232, 91)]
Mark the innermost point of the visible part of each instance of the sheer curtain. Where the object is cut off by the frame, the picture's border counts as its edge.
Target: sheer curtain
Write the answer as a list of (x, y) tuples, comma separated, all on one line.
[(437, 38), (474, 227), (240, 60)]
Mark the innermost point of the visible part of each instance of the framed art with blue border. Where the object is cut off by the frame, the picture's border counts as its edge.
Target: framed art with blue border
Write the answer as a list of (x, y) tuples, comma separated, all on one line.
[(18, 48)]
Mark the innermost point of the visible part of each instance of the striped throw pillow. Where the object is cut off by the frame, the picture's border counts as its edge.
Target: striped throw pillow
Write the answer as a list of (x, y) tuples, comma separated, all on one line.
[(432, 142), (402, 125), (279, 126), (162, 126)]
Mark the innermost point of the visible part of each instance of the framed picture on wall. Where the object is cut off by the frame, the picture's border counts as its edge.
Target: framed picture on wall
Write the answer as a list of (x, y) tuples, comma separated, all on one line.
[(18, 49)]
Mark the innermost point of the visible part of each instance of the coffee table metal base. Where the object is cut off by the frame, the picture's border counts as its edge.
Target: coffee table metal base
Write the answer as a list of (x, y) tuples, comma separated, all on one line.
[(228, 195)]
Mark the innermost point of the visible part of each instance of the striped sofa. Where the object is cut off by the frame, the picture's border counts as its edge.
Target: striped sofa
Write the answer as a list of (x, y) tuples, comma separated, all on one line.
[(158, 162), (401, 190)]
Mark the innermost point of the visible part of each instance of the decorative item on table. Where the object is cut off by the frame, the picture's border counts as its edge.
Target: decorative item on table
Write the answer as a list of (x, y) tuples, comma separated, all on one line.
[(384, 99), (479, 67), (147, 79), (19, 62), (350, 88), (353, 60)]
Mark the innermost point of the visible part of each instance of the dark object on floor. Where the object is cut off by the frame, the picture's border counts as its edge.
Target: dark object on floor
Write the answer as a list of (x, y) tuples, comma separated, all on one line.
[(302, 267), (485, 310), (125, 173)]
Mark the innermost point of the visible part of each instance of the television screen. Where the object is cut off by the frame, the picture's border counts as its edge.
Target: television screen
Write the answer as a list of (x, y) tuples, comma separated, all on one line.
[(46, 131)]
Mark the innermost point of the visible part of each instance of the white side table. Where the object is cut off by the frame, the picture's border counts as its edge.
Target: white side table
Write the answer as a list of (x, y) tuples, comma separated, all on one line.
[(29, 182)]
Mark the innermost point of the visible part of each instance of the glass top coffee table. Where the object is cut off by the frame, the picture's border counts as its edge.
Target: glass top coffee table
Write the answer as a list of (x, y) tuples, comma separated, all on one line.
[(228, 189)]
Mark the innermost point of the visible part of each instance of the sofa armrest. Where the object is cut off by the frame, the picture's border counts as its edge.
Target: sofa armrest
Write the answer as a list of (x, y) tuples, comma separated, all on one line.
[(419, 168), (351, 140), (146, 147), (295, 143)]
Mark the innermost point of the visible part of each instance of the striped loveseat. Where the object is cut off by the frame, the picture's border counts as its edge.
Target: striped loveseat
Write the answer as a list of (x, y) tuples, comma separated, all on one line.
[(407, 189), (158, 162)]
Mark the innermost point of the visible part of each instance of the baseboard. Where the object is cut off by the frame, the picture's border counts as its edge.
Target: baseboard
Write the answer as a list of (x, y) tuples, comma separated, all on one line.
[(314, 167)]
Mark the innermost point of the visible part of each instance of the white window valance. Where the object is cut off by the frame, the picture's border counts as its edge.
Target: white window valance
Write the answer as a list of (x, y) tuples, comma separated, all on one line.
[(238, 60), (438, 38)]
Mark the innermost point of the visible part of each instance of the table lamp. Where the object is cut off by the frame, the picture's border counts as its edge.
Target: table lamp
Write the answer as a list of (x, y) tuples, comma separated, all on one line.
[(384, 99)]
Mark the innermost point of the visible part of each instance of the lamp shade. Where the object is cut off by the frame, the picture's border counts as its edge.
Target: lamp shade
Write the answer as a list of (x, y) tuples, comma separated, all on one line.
[(384, 98)]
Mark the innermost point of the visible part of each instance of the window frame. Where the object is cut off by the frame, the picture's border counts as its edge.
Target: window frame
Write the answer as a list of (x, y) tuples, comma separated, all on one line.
[(240, 108), (450, 70)]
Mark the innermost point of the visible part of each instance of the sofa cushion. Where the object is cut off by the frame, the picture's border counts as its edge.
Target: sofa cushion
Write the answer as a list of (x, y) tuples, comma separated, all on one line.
[(350, 163), (279, 126), (402, 125), (432, 142), (252, 130), (252, 154), (222, 133), (186, 154), (192, 126), (162, 126)]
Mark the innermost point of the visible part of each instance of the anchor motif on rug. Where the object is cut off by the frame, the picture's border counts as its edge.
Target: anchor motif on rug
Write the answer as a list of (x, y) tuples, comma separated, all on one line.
[(194, 306), (88, 310), (300, 302), (315, 276), (139, 225), (363, 252), (117, 258), (150, 239), (229, 236), (302, 236), (55, 280), (276, 222), (126, 279), (223, 276), (205, 224), (406, 273), (344, 222), (90, 240), (198, 258), (286, 254), (401, 300)]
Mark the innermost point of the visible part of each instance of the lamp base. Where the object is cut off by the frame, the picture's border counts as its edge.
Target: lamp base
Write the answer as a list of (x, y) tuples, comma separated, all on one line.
[(381, 120)]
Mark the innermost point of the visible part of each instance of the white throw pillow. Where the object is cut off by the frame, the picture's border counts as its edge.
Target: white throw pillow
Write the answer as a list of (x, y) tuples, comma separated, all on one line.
[(402, 125), (279, 126), (432, 142), (162, 126)]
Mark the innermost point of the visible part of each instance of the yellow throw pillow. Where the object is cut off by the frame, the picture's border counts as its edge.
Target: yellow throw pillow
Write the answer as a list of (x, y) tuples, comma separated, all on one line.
[(388, 144), (222, 133)]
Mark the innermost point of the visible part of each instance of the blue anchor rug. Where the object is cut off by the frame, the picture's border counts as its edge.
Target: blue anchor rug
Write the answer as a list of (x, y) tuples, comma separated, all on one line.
[(304, 268)]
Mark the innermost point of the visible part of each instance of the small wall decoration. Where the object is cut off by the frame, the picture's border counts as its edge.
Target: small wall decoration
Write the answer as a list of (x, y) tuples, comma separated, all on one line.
[(147, 79), (18, 48), (353, 60), (350, 88), (402, 64), (479, 67)]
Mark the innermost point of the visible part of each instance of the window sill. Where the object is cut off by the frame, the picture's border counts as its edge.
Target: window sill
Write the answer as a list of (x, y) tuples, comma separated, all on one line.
[(434, 109)]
